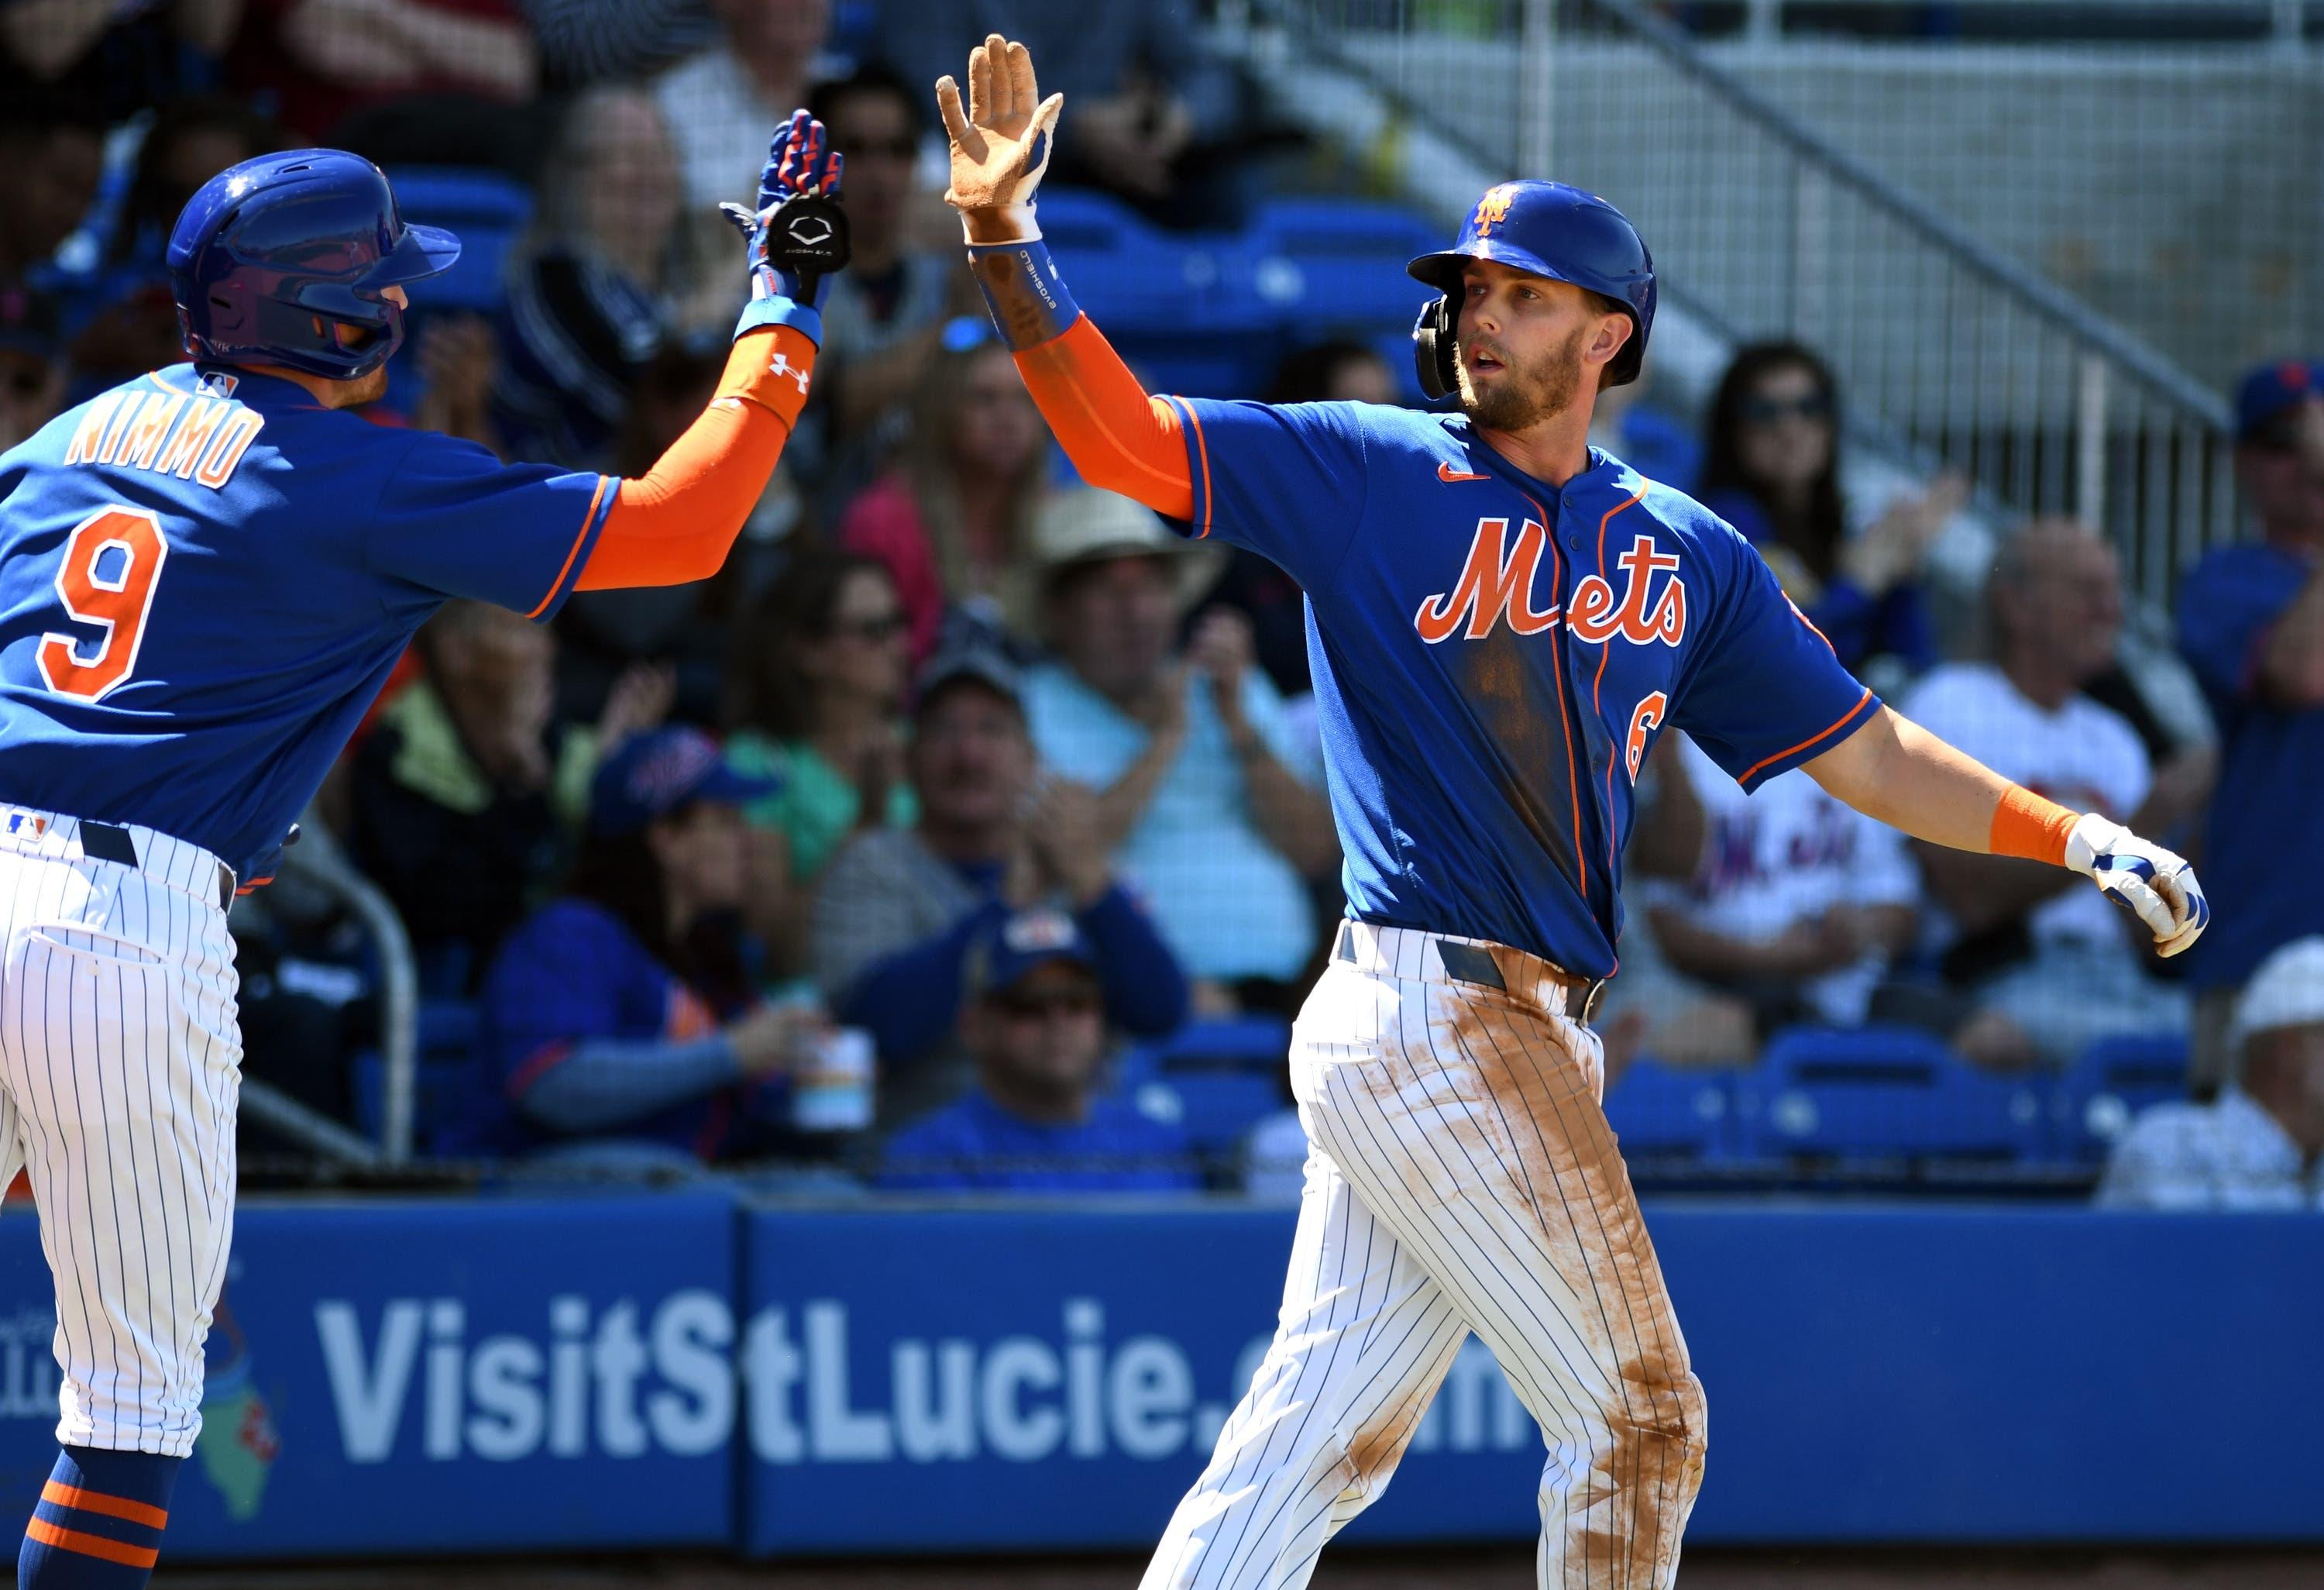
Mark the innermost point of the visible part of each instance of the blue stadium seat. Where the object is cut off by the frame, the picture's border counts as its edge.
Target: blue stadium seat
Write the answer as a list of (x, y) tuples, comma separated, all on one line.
[(1885, 1092), (2107, 1085), (1661, 1112), (1217, 1078), (488, 211), (447, 1031), (1341, 261)]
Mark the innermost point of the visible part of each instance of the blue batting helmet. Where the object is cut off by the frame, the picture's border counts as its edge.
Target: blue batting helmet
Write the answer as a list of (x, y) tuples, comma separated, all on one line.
[(1548, 230), (271, 257)]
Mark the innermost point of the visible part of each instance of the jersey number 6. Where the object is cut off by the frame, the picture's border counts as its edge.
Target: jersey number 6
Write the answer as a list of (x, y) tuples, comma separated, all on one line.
[(112, 566)]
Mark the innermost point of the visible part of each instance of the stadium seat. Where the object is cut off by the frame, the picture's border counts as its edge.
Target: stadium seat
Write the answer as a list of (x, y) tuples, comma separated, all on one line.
[(445, 1035), (488, 211), (1341, 261), (1885, 1092), (1216, 1079), (2107, 1085), (1659, 1112)]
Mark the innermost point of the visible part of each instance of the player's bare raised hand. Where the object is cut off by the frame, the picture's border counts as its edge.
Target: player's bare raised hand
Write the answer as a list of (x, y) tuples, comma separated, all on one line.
[(1000, 141)]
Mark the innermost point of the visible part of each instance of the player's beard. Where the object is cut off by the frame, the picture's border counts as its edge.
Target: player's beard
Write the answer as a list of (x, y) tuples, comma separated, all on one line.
[(1522, 399), (367, 388)]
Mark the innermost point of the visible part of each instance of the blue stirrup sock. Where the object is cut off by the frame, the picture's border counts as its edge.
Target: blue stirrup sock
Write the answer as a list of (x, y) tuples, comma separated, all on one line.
[(98, 1523)]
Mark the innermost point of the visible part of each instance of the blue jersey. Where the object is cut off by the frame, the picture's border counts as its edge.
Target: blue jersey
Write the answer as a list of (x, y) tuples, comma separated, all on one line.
[(2269, 754), (1493, 658), (206, 577)]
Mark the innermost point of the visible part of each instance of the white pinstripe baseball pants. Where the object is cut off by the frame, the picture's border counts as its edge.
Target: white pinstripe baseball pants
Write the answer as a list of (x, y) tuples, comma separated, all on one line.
[(120, 1062), (1460, 1178)]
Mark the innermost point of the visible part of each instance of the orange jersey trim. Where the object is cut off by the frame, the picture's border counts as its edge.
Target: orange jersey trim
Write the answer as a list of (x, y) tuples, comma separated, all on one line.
[(1202, 451), (97, 1501), (1120, 439), (1745, 777), (581, 539), (96, 1545)]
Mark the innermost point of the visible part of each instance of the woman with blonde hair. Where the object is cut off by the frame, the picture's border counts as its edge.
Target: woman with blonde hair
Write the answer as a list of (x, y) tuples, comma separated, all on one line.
[(952, 520), (598, 290)]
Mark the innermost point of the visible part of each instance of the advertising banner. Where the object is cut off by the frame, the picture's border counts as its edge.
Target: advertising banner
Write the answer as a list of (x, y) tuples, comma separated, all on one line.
[(1054, 1378), (400, 1376)]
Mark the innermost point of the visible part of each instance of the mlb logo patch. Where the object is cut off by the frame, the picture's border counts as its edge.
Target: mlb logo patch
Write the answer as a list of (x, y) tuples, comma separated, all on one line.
[(1032, 932), (30, 825)]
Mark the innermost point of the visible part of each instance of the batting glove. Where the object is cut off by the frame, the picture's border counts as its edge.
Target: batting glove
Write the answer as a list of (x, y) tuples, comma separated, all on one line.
[(797, 237), (2149, 882), (1001, 146)]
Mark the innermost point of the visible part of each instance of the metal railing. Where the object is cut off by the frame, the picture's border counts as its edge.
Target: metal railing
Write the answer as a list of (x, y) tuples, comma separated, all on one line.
[(2281, 22), (317, 863), (1764, 229)]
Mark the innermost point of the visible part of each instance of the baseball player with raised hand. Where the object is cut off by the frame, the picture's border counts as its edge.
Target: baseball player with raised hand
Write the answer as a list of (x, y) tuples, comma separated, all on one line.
[(205, 575), (1502, 619)]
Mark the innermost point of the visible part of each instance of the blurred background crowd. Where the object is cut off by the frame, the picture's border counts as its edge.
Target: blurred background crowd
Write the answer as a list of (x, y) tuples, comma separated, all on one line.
[(968, 830)]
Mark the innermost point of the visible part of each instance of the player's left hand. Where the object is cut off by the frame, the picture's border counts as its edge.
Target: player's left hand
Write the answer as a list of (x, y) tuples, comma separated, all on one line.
[(796, 236), (2154, 885)]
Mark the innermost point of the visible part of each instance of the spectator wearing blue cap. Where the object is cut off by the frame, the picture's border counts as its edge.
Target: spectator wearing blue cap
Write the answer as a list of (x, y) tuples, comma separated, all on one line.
[(2251, 622), (1036, 1120), (625, 1011), (898, 909)]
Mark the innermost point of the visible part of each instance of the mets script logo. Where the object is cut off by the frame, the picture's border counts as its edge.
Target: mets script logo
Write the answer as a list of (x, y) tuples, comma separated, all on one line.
[(1496, 587), (1492, 210)]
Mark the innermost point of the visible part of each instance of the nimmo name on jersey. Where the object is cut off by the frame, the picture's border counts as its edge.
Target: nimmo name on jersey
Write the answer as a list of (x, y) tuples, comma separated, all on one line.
[(616, 1383), (200, 439)]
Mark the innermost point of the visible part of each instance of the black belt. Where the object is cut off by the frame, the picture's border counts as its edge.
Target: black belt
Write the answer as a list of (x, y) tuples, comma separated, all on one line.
[(104, 842), (1469, 963)]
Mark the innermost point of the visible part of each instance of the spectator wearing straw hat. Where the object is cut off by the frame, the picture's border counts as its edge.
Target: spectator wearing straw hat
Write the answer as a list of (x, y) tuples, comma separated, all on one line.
[(2257, 1145), (1188, 749), (2251, 621)]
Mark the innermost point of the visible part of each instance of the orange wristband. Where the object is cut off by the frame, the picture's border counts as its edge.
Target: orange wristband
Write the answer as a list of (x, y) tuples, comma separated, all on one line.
[(2026, 825)]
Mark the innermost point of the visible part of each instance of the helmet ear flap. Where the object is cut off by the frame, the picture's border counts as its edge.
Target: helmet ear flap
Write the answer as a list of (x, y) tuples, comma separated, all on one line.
[(1434, 358)]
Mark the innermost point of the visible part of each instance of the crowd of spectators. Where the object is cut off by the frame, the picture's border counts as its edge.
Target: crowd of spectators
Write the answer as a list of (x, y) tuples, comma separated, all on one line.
[(992, 766)]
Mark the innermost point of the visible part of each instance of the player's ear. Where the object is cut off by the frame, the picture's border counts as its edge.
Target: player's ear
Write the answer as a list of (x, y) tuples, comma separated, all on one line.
[(1614, 330)]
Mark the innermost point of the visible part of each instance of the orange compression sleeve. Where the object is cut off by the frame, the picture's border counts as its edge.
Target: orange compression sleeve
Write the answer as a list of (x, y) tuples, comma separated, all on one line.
[(675, 524), (2026, 825), (1118, 437)]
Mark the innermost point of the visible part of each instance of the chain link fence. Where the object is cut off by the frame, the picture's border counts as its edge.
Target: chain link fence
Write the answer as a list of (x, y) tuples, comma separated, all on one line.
[(2036, 263)]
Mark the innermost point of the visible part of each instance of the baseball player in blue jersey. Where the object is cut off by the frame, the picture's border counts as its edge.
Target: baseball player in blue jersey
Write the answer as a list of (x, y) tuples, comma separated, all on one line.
[(1502, 619), (205, 575)]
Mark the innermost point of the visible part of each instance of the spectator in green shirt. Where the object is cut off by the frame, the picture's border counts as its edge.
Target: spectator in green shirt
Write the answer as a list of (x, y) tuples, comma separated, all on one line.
[(816, 701)]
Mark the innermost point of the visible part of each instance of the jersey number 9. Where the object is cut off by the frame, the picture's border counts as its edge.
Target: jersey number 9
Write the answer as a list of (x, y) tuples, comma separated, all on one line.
[(112, 566)]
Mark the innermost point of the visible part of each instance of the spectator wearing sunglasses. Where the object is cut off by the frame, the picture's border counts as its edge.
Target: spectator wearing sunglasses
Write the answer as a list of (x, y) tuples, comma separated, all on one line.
[(1771, 469), (885, 317), (2251, 622), (816, 702), (952, 519), (1038, 1120)]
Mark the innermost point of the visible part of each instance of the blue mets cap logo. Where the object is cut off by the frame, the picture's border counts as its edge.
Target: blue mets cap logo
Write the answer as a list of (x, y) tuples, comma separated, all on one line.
[(1493, 208)]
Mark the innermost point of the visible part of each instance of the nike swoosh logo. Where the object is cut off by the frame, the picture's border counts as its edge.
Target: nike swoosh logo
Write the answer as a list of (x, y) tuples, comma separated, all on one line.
[(1451, 477)]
